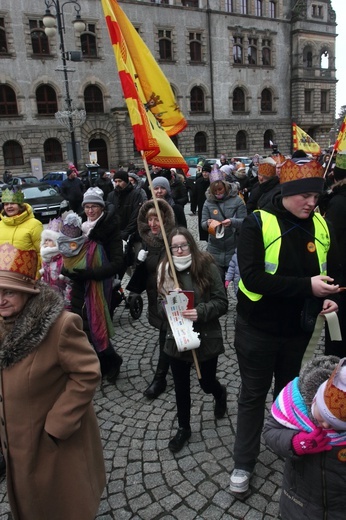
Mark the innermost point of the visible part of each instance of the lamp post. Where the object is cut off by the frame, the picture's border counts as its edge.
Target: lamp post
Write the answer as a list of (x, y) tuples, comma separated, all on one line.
[(71, 117)]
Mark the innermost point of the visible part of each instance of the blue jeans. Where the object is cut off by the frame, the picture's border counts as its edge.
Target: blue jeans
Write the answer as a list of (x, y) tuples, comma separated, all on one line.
[(260, 358)]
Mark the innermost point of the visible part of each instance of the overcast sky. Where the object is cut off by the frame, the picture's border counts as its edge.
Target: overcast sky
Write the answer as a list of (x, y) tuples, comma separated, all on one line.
[(339, 7)]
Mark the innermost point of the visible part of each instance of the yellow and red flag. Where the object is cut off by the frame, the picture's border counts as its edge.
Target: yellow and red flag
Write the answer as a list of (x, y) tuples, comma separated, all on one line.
[(153, 111), (340, 143), (302, 141)]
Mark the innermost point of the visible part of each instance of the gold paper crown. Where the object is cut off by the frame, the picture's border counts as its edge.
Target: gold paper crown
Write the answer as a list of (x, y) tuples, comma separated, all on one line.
[(16, 197), (14, 260), (278, 158), (291, 171), (335, 392), (267, 167), (340, 161)]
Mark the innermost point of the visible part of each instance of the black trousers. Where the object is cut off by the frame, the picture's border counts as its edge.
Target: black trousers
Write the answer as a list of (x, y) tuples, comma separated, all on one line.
[(181, 376), (261, 357)]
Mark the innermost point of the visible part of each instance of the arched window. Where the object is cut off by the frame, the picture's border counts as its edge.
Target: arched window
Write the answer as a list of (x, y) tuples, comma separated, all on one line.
[(8, 101), (241, 140), (52, 151), (165, 44), (93, 100), (307, 57), (100, 146), (88, 41), (267, 138), (13, 153), (266, 100), (197, 100), (46, 100), (200, 142), (238, 100), (39, 39)]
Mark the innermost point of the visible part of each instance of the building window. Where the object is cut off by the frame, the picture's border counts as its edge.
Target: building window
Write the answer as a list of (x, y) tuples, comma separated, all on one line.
[(52, 151), (266, 101), (259, 10), (243, 6), (88, 41), (189, 3), (266, 52), (3, 37), (317, 11), (93, 100), (13, 153), (241, 141), (200, 142), (307, 58), (268, 138), (238, 100), (8, 102), (238, 49), (39, 39), (252, 51), (324, 60), (229, 6), (46, 100), (325, 101), (165, 45), (195, 40), (308, 101), (197, 100), (272, 9)]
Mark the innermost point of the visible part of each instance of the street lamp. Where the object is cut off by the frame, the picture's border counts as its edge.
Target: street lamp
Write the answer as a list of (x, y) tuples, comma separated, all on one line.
[(71, 117)]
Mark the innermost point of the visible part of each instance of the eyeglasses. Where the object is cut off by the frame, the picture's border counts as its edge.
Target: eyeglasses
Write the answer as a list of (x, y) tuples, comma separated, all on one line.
[(88, 208), (183, 247)]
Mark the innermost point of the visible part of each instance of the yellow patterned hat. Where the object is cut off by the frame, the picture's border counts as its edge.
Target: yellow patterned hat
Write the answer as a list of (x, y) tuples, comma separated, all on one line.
[(18, 269), (14, 196), (267, 167), (301, 178), (331, 397)]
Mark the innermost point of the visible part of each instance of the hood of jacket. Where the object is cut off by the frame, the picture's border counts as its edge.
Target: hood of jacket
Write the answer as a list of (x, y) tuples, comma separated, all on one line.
[(31, 326), (142, 221)]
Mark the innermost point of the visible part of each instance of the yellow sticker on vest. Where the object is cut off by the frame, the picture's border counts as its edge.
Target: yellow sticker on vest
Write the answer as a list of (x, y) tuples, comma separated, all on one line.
[(311, 247)]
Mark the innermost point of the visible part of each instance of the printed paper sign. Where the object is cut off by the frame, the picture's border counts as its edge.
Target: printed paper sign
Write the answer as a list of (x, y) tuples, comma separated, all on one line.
[(185, 337)]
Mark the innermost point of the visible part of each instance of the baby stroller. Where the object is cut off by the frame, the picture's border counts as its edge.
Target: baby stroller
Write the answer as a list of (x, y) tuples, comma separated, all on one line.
[(134, 302)]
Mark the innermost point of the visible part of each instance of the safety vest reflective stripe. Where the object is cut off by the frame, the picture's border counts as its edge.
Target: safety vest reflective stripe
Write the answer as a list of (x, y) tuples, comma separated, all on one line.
[(272, 244)]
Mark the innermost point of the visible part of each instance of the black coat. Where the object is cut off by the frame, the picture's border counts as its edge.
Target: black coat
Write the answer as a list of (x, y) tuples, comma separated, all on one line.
[(201, 187), (127, 203)]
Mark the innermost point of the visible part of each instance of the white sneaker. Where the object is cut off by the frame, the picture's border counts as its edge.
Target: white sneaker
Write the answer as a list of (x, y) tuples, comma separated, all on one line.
[(240, 480)]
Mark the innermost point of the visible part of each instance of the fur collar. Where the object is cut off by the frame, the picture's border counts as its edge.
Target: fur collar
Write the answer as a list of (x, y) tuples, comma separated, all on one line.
[(144, 229), (31, 327)]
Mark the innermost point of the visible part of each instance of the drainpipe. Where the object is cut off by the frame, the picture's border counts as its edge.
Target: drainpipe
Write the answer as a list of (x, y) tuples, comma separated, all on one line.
[(211, 77)]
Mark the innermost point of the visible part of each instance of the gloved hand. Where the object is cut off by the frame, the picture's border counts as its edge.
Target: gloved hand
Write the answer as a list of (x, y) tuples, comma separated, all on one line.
[(305, 443), (226, 284), (142, 255), (84, 274)]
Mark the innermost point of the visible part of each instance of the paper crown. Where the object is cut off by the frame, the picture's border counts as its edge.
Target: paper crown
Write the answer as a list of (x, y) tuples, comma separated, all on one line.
[(72, 225), (14, 196), (278, 158), (18, 268), (267, 167), (340, 161), (55, 225), (216, 174), (291, 171), (216, 229), (331, 397)]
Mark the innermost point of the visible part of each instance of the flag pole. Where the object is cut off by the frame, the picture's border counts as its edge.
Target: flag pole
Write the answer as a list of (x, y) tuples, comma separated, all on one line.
[(330, 160), (168, 251)]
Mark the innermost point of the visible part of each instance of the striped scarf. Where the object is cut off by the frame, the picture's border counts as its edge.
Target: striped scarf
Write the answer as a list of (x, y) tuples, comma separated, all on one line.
[(290, 410)]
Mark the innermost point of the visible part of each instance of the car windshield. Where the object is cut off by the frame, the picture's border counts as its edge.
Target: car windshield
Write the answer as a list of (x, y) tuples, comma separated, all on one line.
[(29, 180), (38, 192)]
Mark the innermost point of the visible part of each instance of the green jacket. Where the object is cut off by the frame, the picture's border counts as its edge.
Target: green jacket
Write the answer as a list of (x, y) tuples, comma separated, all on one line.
[(210, 306)]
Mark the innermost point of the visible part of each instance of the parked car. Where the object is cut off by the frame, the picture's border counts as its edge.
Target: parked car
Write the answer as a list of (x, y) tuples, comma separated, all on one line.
[(211, 161), (23, 178), (46, 202), (55, 179)]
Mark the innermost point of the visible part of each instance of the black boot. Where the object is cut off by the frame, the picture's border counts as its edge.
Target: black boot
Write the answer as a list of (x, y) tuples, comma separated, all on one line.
[(221, 404), (159, 383), (179, 440), (110, 363)]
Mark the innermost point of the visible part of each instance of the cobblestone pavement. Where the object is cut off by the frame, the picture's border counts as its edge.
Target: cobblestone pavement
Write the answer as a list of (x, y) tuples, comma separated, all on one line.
[(145, 481)]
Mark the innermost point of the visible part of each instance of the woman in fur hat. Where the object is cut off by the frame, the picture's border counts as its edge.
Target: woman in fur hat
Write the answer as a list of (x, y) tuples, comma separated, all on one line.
[(49, 373), (307, 426)]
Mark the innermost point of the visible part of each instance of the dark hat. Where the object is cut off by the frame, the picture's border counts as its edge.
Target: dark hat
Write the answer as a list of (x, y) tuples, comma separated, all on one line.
[(301, 178), (122, 175), (206, 168)]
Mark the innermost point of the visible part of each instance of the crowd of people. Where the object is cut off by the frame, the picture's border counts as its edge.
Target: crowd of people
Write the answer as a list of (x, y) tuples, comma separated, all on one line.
[(275, 234)]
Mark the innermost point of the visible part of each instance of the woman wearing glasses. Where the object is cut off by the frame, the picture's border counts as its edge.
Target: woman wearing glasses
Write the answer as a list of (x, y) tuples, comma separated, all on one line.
[(196, 271)]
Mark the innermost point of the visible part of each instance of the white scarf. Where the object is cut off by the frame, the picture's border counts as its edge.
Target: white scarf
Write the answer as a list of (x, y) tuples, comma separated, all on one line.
[(180, 263), (88, 225)]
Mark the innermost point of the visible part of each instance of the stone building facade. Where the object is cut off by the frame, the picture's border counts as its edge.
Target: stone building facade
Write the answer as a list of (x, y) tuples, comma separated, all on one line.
[(242, 72)]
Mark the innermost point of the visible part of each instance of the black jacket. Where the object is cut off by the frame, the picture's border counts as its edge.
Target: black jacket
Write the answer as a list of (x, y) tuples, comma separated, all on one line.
[(127, 203)]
